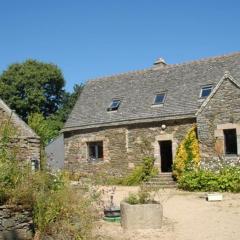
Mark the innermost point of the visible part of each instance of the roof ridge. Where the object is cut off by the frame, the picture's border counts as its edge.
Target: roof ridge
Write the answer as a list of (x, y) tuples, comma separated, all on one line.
[(205, 59), (118, 74)]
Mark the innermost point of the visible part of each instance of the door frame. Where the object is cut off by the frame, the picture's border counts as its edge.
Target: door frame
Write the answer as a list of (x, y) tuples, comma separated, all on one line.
[(170, 149), (156, 146)]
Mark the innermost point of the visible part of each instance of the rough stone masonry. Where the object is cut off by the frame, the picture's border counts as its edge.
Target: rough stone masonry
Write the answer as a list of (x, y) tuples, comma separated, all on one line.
[(15, 223)]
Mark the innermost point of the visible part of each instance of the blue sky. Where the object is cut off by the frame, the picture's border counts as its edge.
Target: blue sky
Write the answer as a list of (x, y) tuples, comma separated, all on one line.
[(94, 38)]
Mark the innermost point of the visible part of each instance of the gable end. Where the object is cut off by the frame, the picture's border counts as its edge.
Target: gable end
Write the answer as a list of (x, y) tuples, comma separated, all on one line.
[(227, 76)]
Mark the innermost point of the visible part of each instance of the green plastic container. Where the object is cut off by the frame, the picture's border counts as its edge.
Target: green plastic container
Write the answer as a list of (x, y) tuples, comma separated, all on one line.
[(112, 219)]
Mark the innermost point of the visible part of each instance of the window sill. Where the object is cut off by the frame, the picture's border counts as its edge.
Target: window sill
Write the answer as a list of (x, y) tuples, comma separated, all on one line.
[(111, 111), (95, 161), (231, 155), (157, 105)]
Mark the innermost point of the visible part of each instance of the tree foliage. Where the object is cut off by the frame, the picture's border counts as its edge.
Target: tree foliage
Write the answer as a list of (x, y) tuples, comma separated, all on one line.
[(68, 102), (35, 90), (46, 129), (32, 87)]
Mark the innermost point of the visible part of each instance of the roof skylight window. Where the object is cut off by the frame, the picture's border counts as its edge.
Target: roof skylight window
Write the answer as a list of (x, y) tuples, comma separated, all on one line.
[(114, 105), (205, 91), (159, 98)]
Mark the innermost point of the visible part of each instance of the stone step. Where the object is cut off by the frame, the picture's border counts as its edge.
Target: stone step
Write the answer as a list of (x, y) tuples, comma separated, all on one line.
[(165, 173), (162, 180), (161, 185), (165, 178)]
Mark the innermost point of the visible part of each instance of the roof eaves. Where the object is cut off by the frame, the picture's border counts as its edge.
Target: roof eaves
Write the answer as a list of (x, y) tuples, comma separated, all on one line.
[(128, 122)]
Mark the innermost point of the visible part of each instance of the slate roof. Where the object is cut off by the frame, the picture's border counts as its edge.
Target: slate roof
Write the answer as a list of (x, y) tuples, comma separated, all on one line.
[(181, 82)]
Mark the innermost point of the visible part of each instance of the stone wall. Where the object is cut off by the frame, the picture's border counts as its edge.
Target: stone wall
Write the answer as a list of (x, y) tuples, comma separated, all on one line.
[(221, 112), (114, 150), (124, 146), (25, 142), (15, 223)]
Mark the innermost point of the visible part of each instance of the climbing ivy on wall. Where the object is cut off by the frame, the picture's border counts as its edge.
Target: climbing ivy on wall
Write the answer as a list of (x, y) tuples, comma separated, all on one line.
[(187, 156)]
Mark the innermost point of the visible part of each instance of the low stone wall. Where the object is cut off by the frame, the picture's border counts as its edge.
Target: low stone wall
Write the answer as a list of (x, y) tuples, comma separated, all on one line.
[(15, 223)]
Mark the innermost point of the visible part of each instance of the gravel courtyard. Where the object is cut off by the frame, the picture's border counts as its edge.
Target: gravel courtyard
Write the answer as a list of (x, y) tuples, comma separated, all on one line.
[(187, 216)]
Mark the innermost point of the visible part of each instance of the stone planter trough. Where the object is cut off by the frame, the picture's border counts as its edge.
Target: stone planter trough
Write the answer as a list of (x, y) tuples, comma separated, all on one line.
[(141, 216)]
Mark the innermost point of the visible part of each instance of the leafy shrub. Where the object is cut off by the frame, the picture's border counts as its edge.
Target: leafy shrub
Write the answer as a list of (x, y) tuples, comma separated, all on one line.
[(142, 197), (132, 199), (46, 128), (227, 179), (58, 210), (187, 156), (141, 173), (9, 171)]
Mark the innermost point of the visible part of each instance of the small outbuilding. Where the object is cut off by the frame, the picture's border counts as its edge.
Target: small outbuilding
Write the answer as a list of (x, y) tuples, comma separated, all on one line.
[(26, 141)]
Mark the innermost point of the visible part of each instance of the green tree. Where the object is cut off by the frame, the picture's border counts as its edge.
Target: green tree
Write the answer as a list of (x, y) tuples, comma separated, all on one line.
[(46, 129), (68, 102), (31, 87)]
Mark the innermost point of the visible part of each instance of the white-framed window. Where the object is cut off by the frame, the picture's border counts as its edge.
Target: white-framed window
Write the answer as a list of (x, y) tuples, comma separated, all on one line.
[(206, 91), (159, 98)]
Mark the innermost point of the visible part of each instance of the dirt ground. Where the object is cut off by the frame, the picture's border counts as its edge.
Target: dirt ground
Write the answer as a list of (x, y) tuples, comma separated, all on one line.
[(186, 216)]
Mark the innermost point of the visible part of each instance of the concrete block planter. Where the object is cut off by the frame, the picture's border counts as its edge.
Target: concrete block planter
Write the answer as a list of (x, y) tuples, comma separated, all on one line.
[(141, 216)]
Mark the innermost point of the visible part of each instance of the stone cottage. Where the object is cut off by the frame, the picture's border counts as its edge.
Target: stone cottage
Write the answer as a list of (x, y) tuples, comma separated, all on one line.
[(114, 116), (26, 142)]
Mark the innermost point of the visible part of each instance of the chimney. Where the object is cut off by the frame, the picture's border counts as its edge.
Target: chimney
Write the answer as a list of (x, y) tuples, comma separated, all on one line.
[(159, 63)]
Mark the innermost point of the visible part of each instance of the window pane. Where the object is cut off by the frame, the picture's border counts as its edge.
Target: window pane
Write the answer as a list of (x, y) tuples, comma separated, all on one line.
[(95, 150), (100, 151), (92, 151), (205, 92), (230, 139), (159, 98), (114, 105)]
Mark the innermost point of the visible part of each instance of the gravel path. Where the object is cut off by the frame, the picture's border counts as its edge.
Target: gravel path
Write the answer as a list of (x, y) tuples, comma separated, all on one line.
[(187, 216)]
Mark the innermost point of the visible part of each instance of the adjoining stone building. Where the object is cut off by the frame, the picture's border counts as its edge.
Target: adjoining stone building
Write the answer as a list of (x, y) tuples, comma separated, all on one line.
[(26, 142), (114, 116)]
